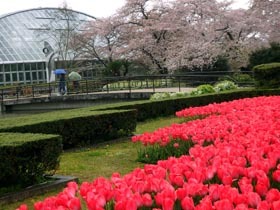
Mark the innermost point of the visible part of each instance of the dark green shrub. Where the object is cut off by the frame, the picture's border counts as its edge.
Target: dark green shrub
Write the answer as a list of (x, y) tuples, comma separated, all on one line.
[(265, 55), (98, 128), (26, 158), (152, 109), (221, 64), (267, 75), (242, 78), (77, 128)]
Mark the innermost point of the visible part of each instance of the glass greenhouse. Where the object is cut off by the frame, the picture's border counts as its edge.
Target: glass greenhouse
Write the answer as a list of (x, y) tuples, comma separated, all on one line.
[(32, 40)]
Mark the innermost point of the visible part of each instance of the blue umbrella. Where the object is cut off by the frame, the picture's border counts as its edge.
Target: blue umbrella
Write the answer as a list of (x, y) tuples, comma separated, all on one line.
[(60, 71)]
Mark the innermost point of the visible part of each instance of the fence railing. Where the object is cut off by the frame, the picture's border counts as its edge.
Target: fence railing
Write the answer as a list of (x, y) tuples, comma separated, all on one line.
[(109, 84)]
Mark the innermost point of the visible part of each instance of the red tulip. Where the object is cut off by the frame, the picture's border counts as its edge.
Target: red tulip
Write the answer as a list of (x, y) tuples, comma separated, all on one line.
[(22, 207), (147, 200), (187, 203), (241, 207), (276, 205), (272, 195), (74, 204), (264, 205), (224, 204), (167, 204), (276, 175), (253, 199)]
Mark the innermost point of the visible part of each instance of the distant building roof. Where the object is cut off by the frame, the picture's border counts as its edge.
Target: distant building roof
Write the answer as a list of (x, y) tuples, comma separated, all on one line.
[(24, 34)]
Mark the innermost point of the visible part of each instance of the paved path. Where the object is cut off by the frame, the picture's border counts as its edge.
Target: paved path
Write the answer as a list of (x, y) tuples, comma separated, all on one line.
[(149, 90), (64, 100), (158, 90)]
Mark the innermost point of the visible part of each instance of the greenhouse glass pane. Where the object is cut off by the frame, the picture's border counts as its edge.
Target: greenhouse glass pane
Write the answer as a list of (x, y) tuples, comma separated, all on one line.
[(20, 67), (27, 75), (6, 67), (34, 75), (17, 58), (5, 51), (40, 66), (3, 57), (21, 76), (40, 74), (33, 66), (14, 76), (7, 77), (27, 66), (10, 58), (13, 67)]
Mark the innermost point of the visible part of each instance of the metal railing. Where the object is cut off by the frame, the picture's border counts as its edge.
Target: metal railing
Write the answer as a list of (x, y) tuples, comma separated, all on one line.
[(109, 84)]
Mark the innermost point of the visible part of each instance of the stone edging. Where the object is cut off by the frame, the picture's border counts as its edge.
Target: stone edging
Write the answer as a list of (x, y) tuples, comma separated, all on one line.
[(60, 181)]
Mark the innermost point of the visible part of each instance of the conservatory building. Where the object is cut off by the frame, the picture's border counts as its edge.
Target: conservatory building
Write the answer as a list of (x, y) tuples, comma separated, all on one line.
[(31, 41)]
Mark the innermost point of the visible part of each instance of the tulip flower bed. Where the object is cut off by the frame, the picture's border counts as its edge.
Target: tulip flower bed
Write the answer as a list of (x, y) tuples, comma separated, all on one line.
[(155, 152), (234, 164)]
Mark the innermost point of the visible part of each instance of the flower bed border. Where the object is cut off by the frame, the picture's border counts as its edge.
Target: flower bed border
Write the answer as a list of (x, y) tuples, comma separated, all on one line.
[(59, 182)]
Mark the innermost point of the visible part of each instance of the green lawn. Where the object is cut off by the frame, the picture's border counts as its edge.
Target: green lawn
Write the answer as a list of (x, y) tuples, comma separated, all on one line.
[(101, 160)]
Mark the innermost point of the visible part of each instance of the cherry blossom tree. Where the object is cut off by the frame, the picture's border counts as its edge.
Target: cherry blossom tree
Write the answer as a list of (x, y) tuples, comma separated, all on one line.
[(169, 35), (185, 33), (144, 33), (98, 41), (269, 13), (194, 25), (239, 35)]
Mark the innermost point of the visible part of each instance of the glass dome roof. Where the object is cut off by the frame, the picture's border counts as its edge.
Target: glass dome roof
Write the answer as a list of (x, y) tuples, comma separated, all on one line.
[(29, 35)]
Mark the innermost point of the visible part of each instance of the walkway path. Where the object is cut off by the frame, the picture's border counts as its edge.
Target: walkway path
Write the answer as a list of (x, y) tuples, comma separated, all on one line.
[(158, 90), (65, 101), (149, 90)]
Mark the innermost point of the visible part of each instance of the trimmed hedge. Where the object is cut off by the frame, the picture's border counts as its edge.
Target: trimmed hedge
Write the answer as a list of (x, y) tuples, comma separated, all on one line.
[(26, 158), (152, 109), (78, 128), (267, 75)]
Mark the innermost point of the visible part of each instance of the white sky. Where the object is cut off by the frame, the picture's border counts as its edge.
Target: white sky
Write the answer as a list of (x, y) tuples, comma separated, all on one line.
[(96, 8)]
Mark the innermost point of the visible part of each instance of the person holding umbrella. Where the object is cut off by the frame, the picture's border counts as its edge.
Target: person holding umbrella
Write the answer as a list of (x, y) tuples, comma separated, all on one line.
[(75, 77), (62, 84), (62, 81)]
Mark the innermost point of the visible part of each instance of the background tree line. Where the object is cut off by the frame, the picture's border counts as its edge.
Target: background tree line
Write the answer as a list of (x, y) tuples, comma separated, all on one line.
[(167, 36)]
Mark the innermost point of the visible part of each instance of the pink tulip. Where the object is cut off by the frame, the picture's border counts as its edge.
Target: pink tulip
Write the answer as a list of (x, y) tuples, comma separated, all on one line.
[(176, 145), (187, 203), (74, 204), (167, 204), (241, 207), (276, 175), (253, 199), (276, 205), (205, 204), (272, 195), (223, 204), (147, 200), (22, 207), (264, 205)]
